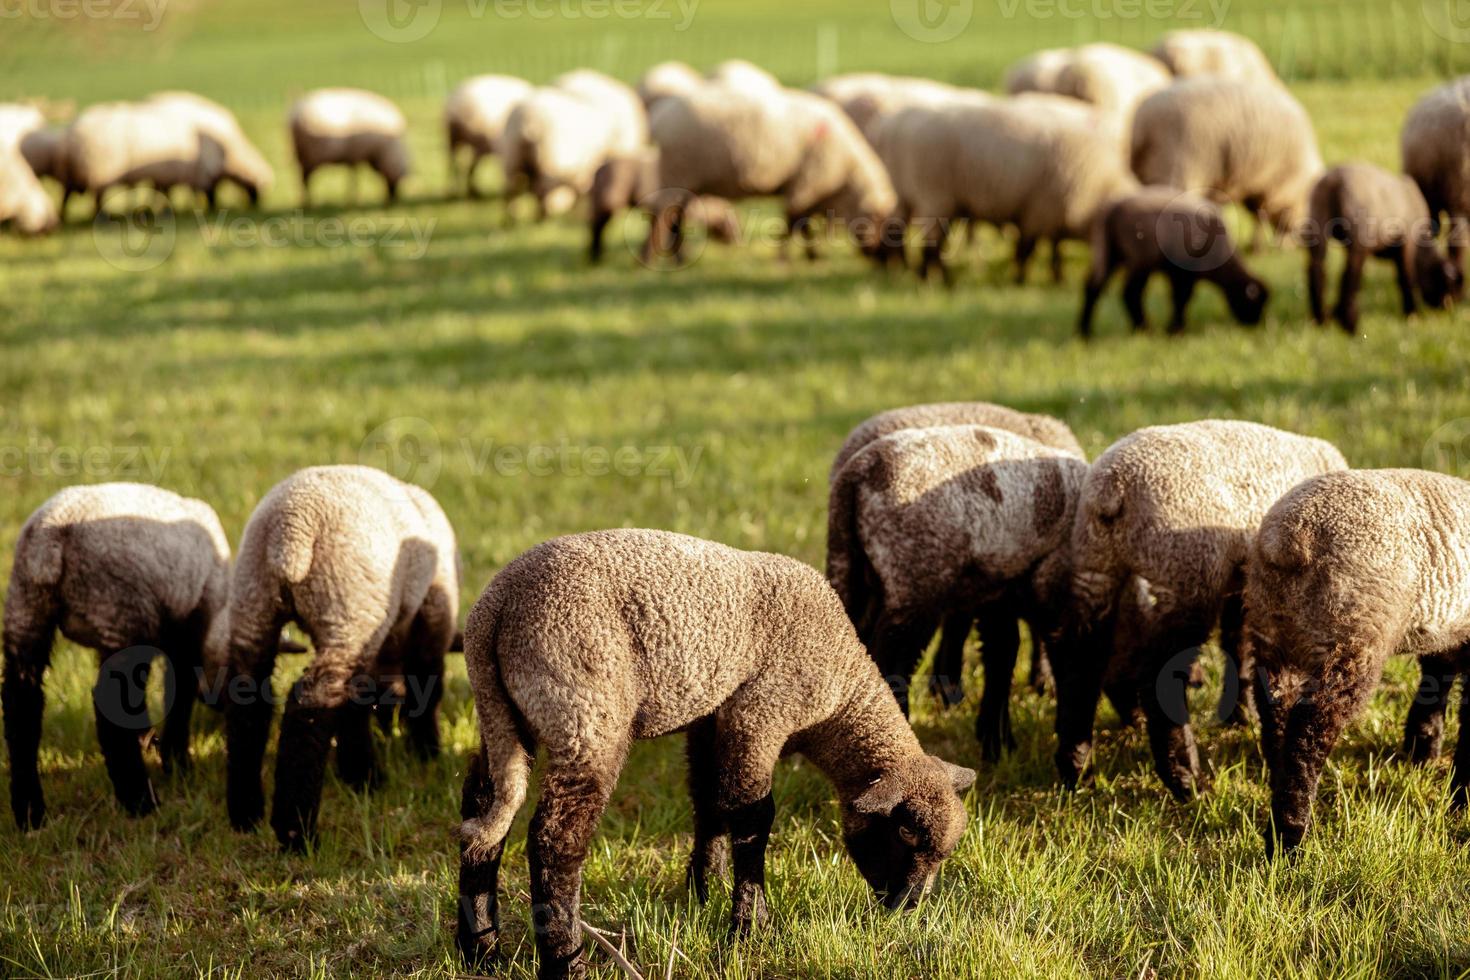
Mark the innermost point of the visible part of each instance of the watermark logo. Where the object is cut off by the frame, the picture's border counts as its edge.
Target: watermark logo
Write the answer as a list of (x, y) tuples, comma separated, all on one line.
[(406, 447), (932, 21), (1448, 449), (138, 238), (1450, 19), (121, 692), (400, 21)]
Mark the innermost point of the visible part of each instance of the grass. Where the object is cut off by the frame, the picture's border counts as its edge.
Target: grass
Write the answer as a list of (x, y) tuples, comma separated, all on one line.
[(728, 386)]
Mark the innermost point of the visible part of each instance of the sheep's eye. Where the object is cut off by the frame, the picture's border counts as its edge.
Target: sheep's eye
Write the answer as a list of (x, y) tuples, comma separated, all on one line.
[(908, 837)]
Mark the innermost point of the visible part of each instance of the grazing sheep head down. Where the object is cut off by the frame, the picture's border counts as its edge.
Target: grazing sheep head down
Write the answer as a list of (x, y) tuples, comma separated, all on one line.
[(1440, 281), (1248, 301), (904, 824)]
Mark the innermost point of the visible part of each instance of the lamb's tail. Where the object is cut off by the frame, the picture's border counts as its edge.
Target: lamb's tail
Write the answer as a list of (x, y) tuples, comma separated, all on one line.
[(506, 749), (849, 571)]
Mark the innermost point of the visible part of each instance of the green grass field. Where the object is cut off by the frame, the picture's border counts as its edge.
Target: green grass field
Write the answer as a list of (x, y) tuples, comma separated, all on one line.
[(497, 369)]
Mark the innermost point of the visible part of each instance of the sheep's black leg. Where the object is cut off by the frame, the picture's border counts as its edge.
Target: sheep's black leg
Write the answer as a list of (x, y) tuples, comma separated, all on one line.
[(1078, 663), (424, 670), (899, 645), (1000, 640), (600, 219), (708, 855), (1096, 282), (357, 763), (571, 804), (478, 932), (1460, 770), (23, 700), (1424, 728), (1234, 708), (249, 706), (1025, 248), (120, 703), (1133, 297), (947, 680), (472, 189), (1057, 262), (750, 831), (185, 661), (1163, 686), (1182, 284), (306, 173), (935, 232), (1039, 674), (307, 727), (1317, 280), (1309, 731), (1402, 263), (1352, 283)]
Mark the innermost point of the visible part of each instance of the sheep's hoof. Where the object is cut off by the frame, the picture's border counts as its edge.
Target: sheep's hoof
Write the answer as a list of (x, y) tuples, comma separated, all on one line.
[(29, 810), (477, 950), (140, 802)]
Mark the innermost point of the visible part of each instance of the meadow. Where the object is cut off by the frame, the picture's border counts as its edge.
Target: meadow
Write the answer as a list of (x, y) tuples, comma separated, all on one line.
[(536, 396)]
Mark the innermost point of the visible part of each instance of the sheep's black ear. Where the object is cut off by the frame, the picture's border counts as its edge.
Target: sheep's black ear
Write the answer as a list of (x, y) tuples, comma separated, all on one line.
[(881, 796), (959, 777)]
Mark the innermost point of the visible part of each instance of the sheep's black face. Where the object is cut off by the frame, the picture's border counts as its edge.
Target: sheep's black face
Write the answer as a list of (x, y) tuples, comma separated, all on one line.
[(1248, 301), (1440, 281), (905, 824)]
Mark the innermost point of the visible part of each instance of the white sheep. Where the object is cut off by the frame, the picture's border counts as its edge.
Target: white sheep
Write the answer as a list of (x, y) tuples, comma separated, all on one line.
[(348, 126), (1037, 72), (243, 163), (1113, 78), (368, 567), (1433, 143), (869, 97), (745, 77), (1189, 53), (667, 78), (475, 115), (23, 201), (125, 144)]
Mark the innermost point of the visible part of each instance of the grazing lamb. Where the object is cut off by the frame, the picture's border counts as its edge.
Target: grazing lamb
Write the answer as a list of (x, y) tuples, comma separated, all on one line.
[(952, 522), (1159, 229), (1374, 212), (668, 78), (1435, 135), (349, 126), (475, 115), (130, 571), (367, 566), (750, 654), (737, 145), (1219, 53), (243, 163), (995, 625), (124, 144), (632, 181), (1348, 570), (1175, 506), (1000, 163), (1247, 142)]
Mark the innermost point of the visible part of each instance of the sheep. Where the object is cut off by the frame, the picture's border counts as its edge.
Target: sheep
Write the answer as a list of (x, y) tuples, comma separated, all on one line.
[(475, 115), (368, 567), (1374, 212), (1037, 72), (23, 201), (994, 625), (624, 182), (668, 78), (128, 570), (348, 126), (243, 163), (558, 136), (999, 163), (44, 151), (1348, 570), (736, 145), (1159, 229), (1175, 506), (1111, 77), (590, 641), (1246, 142), (1188, 53), (745, 78), (869, 97), (124, 144), (1435, 134), (951, 521)]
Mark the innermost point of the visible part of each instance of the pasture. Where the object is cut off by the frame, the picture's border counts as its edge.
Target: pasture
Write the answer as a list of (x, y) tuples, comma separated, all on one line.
[(536, 396)]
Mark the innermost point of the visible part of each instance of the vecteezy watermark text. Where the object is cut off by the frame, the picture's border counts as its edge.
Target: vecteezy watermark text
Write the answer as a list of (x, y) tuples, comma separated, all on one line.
[(149, 13), (99, 460), (405, 21)]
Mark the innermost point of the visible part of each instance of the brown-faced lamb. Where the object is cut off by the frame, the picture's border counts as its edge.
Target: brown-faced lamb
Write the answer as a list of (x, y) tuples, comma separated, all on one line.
[(1348, 570), (994, 625), (243, 163), (736, 145), (955, 521), (351, 127), (1175, 507), (475, 115), (131, 571), (1181, 235), (1435, 135), (999, 163), (1222, 54), (588, 642), (1375, 213), (124, 144), (367, 566), (624, 182)]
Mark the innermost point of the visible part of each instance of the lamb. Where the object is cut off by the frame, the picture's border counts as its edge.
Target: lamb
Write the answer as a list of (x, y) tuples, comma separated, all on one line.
[(1374, 212), (243, 163), (349, 126), (475, 115), (632, 181), (1348, 570), (590, 641), (130, 571), (952, 522), (668, 78), (1433, 142), (1175, 506), (368, 567), (1247, 142), (999, 163), (1222, 54), (123, 144), (1159, 229), (737, 145)]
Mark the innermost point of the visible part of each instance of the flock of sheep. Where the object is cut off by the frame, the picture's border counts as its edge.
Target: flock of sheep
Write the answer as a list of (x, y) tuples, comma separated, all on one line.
[(947, 515), (1128, 151)]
